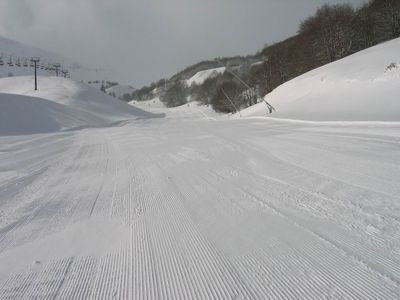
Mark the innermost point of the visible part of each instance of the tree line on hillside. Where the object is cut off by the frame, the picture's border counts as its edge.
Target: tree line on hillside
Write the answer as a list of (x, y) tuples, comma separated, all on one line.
[(332, 33)]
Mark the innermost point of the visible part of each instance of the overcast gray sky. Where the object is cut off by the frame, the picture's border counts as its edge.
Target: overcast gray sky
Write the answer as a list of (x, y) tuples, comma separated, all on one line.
[(145, 40)]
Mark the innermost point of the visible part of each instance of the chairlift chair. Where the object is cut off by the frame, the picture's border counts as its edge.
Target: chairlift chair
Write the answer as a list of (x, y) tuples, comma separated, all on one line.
[(18, 63), (65, 73), (26, 63), (1, 61), (10, 62)]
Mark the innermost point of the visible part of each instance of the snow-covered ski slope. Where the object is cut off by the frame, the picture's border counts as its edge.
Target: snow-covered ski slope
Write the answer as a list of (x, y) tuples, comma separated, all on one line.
[(202, 76), (59, 104), (192, 108), (362, 87), (193, 207)]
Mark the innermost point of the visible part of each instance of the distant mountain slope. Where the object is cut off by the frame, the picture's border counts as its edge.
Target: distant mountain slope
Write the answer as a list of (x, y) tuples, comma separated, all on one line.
[(192, 70), (333, 32), (59, 104), (10, 49), (362, 87), (119, 91), (202, 76)]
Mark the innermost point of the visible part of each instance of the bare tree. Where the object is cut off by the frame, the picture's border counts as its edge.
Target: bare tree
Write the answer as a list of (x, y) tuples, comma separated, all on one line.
[(175, 95)]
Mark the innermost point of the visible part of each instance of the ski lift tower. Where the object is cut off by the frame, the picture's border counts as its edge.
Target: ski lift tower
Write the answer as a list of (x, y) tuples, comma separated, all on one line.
[(56, 67), (35, 60), (270, 107), (10, 61)]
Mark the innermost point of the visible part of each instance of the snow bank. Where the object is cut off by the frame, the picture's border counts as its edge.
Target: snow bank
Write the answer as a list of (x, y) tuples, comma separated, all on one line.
[(59, 104), (22, 115), (202, 76), (361, 87)]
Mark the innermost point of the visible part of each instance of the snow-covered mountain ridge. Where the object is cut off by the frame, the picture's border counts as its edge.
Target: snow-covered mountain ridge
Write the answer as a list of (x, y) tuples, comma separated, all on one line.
[(14, 51)]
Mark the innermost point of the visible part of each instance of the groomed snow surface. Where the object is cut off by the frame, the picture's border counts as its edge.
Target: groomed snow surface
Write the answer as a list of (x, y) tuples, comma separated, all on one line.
[(362, 87), (184, 207), (101, 200)]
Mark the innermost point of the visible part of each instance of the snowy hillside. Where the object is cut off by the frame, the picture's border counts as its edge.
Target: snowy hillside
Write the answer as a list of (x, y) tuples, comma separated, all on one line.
[(120, 90), (361, 87), (16, 51), (58, 105), (202, 76), (189, 110)]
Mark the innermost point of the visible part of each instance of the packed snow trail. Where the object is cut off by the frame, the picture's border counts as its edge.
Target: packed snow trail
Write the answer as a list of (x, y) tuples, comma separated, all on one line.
[(187, 207)]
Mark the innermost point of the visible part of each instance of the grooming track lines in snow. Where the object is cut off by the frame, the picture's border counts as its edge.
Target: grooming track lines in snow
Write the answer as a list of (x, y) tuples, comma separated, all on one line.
[(149, 211), (119, 203)]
